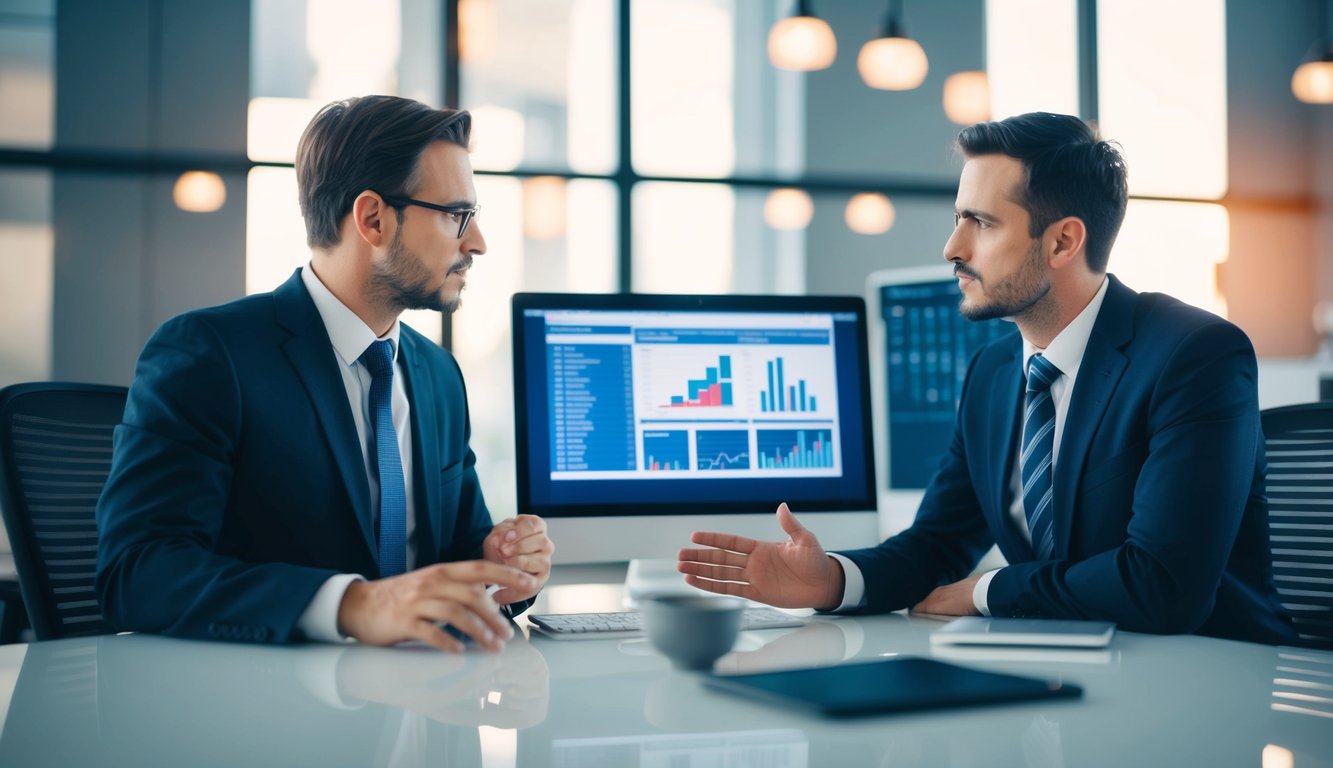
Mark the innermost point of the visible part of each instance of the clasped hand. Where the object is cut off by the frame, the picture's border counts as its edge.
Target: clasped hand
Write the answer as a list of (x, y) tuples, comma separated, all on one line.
[(517, 559)]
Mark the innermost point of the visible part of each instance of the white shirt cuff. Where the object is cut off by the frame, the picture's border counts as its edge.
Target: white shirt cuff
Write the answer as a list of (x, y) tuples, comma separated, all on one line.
[(320, 620), (980, 591), (854, 589)]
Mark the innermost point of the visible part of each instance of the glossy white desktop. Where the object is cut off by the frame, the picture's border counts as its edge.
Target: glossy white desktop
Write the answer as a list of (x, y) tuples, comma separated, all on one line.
[(138, 700)]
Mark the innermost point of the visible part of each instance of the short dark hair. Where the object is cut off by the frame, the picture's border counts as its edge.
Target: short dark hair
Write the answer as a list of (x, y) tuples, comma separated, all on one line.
[(370, 142), (1070, 171)]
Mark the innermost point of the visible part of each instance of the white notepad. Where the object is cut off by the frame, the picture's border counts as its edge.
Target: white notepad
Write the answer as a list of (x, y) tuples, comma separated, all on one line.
[(981, 630)]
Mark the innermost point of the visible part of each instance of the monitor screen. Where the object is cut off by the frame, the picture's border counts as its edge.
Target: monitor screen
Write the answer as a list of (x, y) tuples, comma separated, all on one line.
[(921, 347), (657, 407)]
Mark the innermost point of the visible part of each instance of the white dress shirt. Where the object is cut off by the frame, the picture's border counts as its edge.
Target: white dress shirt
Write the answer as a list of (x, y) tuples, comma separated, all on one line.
[(351, 337), (1066, 353)]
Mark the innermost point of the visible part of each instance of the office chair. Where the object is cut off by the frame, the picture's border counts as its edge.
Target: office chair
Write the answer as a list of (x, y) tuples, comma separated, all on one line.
[(55, 454), (1299, 443)]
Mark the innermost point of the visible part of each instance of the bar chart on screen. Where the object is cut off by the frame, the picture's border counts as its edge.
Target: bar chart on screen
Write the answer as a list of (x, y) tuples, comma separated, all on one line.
[(712, 389), (666, 450), (795, 448)]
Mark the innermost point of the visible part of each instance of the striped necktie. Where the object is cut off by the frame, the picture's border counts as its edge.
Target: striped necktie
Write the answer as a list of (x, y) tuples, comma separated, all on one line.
[(388, 464), (1039, 453)]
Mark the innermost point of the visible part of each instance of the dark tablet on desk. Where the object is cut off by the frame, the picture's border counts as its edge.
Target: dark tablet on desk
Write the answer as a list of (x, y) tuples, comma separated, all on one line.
[(905, 684)]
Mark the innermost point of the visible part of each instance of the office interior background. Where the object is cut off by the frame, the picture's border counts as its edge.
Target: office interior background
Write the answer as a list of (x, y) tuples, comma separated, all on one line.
[(146, 152)]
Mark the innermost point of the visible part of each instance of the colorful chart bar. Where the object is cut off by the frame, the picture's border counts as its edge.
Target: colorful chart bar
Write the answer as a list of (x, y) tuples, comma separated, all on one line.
[(782, 397), (712, 390), (666, 450), (795, 449)]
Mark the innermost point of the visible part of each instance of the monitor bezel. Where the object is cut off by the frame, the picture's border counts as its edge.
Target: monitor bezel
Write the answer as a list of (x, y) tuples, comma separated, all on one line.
[(866, 499)]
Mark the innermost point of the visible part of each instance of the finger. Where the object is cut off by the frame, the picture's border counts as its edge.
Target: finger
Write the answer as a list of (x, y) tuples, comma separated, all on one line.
[(428, 633), (724, 541), (720, 587), (529, 525), (536, 565), (713, 556), (528, 545), (479, 627), (484, 572), (473, 613), (718, 572), (791, 525)]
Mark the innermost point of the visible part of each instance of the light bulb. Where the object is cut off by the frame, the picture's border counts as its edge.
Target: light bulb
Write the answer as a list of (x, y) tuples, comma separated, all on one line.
[(1312, 82), (802, 43), (892, 63), (788, 208), (869, 213), (967, 97), (199, 192)]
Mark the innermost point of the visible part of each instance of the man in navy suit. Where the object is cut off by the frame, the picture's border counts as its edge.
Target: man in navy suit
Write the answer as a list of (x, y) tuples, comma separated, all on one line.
[(295, 465), (1111, 447)]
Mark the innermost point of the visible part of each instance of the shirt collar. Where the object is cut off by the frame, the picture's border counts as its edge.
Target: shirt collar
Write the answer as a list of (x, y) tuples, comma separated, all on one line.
[(349, 333), (1066, 349)]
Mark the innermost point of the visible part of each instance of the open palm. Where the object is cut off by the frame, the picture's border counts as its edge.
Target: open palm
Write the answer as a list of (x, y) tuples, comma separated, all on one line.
[(796, 573)]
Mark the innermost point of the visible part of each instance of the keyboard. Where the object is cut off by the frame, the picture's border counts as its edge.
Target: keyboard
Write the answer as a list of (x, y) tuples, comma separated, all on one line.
[(596, 626)]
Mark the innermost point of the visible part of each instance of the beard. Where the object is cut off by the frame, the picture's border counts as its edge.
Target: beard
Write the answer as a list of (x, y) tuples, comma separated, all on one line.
[(1009, 296), (403, 281)]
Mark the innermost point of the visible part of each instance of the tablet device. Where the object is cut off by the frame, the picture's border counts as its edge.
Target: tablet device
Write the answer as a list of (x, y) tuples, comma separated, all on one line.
[(906, 684), (982, 630)]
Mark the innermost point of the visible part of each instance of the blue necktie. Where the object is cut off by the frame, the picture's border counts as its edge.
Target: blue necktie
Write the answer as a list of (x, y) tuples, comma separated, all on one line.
[(1038, 453), (388, 464)]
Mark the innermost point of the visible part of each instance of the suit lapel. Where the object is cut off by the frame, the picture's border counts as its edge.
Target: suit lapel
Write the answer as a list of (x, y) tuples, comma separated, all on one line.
[(425, 442), (1006, 415), (315, 364), (1098, 374)]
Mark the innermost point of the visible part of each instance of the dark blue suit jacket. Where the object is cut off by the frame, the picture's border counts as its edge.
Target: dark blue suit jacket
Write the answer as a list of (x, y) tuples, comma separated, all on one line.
[(237, 484), (1160, 514)]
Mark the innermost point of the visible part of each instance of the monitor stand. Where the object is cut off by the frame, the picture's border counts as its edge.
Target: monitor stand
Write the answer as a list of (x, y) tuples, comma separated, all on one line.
[(656, 577)]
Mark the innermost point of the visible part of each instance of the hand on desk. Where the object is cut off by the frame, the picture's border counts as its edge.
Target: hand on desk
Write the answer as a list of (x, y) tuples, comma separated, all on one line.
[(520, 542), (407, 607), (951, 599), (796, 573), (505, 690)]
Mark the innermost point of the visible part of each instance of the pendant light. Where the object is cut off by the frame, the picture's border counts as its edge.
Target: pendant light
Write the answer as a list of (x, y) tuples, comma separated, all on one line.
[(893, 61), (1312, 82), (802, 42)]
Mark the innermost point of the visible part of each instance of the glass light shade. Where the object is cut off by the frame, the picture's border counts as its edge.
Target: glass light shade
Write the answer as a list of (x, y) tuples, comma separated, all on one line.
[(1312, 82), (802, 43), (199, 192), (788, 209), (869, 213), (892, 63), (544, 208), (967, 97)]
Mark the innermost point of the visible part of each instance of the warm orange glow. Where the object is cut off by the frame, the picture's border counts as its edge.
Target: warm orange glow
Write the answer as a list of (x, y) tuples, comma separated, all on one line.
[(478, 30), (1312, 82), (802, 43), (788, 209), (967, 97), (199, 192), (1277, 757), (869, 213), (892, 63), (544, 208)]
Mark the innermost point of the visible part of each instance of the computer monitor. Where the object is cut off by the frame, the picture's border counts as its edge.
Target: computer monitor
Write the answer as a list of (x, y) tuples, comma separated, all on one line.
[(641, 418), (920, 346)]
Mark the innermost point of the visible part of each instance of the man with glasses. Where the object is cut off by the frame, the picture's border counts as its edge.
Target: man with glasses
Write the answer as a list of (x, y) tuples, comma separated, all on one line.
[(295, 465), (1111, 447)]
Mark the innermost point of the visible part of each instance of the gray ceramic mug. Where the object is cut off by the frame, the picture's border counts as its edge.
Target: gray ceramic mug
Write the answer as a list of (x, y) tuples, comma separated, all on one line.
[(692, 631)]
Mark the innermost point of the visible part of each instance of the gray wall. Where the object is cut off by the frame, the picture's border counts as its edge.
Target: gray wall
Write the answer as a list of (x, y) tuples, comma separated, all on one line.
[(133, 81)]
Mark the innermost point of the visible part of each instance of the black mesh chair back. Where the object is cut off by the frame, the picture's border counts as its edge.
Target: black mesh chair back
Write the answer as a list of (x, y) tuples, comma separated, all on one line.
[(55, 454), (1299, 443)]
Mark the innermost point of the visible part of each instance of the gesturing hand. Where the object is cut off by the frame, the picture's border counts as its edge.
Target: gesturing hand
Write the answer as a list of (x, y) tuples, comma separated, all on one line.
[(407, 607), (520, 542), (796, 573)]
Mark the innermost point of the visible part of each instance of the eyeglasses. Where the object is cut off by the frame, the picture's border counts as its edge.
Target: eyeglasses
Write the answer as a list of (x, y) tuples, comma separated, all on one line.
[(461, 215)]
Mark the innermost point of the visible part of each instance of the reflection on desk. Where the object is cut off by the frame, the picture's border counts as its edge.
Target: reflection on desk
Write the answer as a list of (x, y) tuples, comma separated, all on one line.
[(144, 700)]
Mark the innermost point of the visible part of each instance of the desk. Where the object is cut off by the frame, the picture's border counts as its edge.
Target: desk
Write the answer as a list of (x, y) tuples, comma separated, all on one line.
[(137, 700)]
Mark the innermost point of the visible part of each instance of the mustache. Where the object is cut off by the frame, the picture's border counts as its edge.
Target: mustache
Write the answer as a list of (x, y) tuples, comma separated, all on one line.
[(959, 269), (466, 263)]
